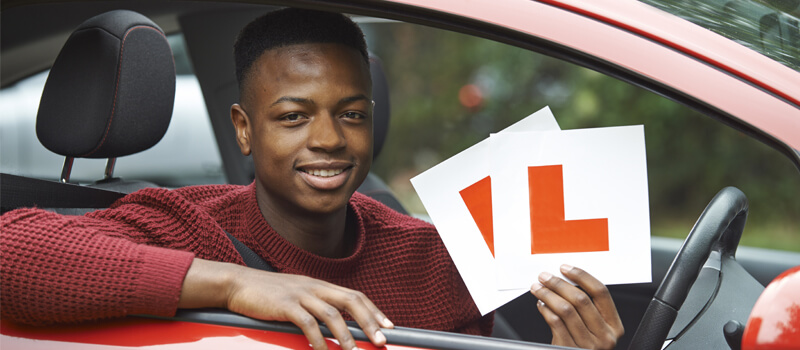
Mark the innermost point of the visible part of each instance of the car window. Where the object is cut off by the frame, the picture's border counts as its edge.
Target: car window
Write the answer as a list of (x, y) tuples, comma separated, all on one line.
[(449, 91), (186, 155), (769, 27)]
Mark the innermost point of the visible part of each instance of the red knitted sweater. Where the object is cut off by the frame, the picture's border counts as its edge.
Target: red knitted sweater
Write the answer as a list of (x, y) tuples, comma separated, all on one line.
[(113, 262)]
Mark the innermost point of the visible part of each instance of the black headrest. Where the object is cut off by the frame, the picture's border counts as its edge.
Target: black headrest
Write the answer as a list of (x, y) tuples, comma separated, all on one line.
[(111, 90), (381, 113)]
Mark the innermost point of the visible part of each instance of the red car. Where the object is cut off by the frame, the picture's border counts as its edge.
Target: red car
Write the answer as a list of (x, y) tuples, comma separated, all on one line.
[(716, 84)]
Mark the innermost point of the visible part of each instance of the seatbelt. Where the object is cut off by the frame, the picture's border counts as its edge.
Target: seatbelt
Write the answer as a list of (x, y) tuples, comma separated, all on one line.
[(251, 259)]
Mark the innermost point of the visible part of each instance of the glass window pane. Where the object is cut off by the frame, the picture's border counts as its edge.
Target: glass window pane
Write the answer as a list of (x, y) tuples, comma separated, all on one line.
[(449, 91)]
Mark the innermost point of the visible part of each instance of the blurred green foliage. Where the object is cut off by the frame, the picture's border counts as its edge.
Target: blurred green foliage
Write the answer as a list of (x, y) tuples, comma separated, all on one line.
[(690, 156)]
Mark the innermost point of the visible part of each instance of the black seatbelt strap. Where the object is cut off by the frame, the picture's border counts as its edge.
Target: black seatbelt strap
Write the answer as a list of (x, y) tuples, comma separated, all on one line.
[(251, 259)]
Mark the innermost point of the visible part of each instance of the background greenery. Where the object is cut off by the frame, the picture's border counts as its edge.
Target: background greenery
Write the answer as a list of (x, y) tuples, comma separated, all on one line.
[(690, 156)]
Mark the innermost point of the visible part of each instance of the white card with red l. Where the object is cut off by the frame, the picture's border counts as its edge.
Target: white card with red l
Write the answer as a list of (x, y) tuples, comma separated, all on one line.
[(576, 197), (440, 189)]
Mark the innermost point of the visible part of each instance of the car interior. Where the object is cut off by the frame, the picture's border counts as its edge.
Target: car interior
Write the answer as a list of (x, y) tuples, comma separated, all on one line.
[(67, 118)]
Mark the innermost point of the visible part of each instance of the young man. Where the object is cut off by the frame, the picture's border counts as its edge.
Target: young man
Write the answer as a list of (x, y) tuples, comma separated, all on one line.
[(305, 115)]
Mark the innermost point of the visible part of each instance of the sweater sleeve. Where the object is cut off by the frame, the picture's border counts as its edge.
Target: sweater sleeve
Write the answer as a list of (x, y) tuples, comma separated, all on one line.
[(58, 268)]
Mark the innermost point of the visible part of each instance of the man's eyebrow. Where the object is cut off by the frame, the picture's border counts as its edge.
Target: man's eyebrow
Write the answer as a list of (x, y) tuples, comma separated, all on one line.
[(293, 99), (359, 97)]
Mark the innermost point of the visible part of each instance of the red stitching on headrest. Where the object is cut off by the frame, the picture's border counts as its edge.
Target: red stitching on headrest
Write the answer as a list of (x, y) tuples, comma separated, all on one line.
[(116, 87)]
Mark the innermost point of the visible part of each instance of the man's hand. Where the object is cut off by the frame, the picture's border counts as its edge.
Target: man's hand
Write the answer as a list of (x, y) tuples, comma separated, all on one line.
[(283, 297), (577, 319)]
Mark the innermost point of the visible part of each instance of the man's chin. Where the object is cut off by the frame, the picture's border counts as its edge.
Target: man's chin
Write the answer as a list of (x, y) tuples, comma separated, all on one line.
[(329, 205), (321, 203)]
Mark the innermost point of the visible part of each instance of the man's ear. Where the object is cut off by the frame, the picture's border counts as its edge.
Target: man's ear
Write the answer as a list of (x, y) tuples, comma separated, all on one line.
[(241, 122)]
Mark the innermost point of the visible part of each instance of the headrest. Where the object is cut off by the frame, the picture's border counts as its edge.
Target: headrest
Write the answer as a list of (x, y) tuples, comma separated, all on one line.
[(111, 90), (381, 113)]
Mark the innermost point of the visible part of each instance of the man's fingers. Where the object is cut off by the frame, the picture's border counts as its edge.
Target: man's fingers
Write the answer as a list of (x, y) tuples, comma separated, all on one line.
[(562, 308), (588, 316), (374, 312), (561, 335), (599, 294), (304, 300), (308, 324), (379, 316), (364, 312), (332, 318)]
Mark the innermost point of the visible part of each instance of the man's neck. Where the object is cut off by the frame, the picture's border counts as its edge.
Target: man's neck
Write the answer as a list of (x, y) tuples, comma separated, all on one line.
[(326, 235)]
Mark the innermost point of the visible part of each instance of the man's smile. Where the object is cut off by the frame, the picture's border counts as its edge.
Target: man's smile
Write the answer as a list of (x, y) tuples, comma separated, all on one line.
[(326, 175), (323, 172)]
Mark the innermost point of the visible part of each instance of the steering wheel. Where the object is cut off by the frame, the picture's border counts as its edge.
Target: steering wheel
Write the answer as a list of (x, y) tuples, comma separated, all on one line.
[(718, 228)]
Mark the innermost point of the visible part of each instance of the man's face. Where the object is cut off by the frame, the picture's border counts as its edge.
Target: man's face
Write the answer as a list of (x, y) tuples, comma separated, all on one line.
[(306, 117)]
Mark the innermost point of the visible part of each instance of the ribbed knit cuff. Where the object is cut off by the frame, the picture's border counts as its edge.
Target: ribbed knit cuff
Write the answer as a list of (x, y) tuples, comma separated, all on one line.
[(158, 287)]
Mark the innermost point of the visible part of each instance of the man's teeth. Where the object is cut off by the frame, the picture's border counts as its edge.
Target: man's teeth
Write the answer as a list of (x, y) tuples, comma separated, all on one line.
[(324, 172)]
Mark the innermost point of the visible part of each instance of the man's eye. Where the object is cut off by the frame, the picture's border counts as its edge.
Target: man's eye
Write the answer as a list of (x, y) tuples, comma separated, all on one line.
[(292, 117), (354, 115)]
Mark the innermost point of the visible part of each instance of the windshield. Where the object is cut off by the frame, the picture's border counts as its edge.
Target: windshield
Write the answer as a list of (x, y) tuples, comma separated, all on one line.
[(770, 27)]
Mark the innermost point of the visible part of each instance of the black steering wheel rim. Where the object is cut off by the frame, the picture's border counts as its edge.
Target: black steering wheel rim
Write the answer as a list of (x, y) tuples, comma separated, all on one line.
[(719, 228)]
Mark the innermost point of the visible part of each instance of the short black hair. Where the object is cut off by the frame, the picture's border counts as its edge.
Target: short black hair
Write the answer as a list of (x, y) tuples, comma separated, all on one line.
[(292, 26)]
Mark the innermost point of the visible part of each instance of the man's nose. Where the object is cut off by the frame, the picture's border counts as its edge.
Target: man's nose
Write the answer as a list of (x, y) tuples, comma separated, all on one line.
[(326, 133)]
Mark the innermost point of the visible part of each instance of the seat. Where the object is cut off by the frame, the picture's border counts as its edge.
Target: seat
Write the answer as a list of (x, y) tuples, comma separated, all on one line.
[(109, 94)]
